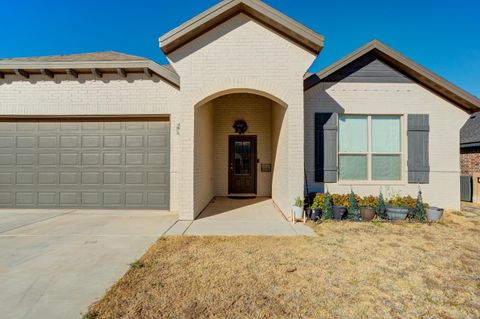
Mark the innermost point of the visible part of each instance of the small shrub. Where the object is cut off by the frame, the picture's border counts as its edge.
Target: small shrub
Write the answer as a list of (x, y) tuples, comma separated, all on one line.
[(406, 201), (340, 200), (298, 202), (382, 207), (419, 211), (327, 207), (318, 201), (353, 209), (369, 201)]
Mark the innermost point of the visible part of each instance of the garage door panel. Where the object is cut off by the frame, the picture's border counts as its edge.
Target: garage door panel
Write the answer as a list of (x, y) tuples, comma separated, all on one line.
[(85, 163), (6, 141), (70, 199), (47, 178), (47, 198), (134, 158), (69, 141), (25, 141), (25, 198), (112, 141), (6, 159), (6, 199), (6, 178)]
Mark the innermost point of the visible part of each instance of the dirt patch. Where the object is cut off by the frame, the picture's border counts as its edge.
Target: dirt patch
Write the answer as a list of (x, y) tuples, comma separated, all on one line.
[(353, 270)]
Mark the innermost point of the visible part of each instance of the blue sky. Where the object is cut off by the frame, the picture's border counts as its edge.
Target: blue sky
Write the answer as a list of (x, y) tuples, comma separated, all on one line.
[(443, 36)]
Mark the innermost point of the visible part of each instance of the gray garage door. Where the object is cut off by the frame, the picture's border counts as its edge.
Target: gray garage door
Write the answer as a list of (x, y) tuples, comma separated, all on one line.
[(106, 163)]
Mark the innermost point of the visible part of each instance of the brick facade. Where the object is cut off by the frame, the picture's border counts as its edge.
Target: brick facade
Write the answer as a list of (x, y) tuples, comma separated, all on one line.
[(470, 160)]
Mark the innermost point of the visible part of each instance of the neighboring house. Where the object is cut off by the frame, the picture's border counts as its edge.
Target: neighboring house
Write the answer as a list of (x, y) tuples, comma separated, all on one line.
[(117, 131), (470, 145)]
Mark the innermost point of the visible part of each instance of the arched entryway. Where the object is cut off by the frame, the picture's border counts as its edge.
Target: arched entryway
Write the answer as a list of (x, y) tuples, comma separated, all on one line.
[(228, 162)]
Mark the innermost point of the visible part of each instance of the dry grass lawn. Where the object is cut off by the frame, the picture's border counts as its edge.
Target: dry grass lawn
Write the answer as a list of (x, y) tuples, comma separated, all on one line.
[(352, 270)]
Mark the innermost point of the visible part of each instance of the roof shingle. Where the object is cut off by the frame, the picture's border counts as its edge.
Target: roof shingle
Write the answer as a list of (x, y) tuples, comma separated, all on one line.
[(470, 132), (83, 57)]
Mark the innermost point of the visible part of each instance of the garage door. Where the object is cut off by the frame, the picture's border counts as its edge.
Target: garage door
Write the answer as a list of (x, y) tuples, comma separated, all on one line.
[(105, 163)]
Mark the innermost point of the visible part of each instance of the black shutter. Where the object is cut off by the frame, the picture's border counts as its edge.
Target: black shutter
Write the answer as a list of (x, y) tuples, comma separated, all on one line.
[(326, 170), (418, 149)]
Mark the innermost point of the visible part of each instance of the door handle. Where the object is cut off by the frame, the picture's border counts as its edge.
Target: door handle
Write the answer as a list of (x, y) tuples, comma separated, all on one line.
[(231, 166)]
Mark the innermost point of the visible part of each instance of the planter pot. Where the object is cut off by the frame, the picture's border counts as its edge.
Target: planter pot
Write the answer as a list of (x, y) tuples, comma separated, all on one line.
[(397, 213), (339, 212), (298, 211), (367, 213), (434, 214), (381, 213), (308, 212), (316, 214)]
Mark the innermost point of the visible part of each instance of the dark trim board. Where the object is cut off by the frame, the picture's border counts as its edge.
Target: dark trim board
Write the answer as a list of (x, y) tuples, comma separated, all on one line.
[(86, 118)]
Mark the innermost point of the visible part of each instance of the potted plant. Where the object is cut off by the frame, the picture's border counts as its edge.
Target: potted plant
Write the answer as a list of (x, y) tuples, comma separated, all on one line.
[(434, 214), (340, 204), (353, 209), (419, 212), (298, 208), (327, 207), (317, 206), (368, 208), (382, 207), (399, 207)]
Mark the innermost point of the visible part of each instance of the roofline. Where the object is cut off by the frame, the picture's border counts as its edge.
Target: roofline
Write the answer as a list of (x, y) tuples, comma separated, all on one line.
[(469, 145), (225, 9), (414, 70), (161, 71)]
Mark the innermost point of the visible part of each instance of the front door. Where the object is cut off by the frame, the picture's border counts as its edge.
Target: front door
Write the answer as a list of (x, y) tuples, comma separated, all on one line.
[(242, 165)]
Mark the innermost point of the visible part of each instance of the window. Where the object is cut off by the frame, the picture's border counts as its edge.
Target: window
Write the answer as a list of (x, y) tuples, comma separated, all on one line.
[(369, 148)]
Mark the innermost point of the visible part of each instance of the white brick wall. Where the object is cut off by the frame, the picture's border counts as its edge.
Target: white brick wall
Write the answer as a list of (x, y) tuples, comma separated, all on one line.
[(400, 98), (86, 95), (242, 56), (204, 155)]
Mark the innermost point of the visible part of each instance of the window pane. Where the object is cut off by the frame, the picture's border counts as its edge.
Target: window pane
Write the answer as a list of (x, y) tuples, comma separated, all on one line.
[(353, 133), (386, 134), (386, 167), (242, 158), (353, 167)]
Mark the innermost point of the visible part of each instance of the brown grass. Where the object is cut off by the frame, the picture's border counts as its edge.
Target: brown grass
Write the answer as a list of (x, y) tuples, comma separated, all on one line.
[(352, 270)]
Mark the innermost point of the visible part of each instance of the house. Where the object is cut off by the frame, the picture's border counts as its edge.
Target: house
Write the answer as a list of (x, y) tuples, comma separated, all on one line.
[(470, 145), (233, 114)]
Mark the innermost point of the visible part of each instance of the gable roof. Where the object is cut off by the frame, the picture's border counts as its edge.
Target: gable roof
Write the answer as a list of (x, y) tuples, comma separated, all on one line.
[(101, 62), (470, 132), (408, 67), (226, 9)]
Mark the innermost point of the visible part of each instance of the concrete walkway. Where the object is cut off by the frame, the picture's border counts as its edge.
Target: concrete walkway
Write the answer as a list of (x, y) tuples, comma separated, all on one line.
[(233, 217), (55, 263)]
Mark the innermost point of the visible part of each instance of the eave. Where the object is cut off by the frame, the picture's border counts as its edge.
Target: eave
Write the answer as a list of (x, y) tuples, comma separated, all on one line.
[(97, 68)]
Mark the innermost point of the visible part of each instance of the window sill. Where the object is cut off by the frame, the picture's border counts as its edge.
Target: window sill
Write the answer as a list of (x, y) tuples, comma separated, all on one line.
[(371, 183)]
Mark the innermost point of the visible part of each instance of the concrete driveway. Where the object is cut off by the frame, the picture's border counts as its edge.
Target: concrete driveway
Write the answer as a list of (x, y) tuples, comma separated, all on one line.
[(55, 263)]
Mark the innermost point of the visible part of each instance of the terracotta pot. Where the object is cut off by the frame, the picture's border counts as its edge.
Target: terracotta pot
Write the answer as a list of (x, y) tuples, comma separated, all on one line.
[(367, 213), (339, 212)]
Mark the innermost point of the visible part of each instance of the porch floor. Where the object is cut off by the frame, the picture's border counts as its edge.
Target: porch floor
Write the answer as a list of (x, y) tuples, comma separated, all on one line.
[(233, 217)]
